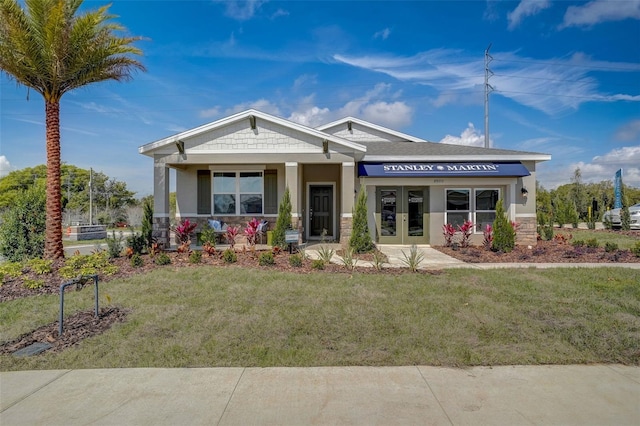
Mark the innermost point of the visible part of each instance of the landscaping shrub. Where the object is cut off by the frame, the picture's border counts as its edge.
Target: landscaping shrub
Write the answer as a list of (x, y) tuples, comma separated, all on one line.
[(360, 240), (348, 259), (592, 243), (266, 259), (504, 234), (40, 266), (195, 257), (578, 243), (413, 259), (114, 245), (32, 284), (137, 243), (229, 256), (610, 247), (87, 264), (283, 222), (22, 226), (136, 260), (317, 264), (295, 260), (636, 249), (162, 259), (147, 223)]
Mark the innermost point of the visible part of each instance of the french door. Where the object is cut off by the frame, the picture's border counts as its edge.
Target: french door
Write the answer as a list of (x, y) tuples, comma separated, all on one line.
[(402, 215)]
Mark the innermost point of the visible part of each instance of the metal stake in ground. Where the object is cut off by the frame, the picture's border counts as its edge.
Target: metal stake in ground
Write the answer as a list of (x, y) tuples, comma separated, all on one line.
[(76, 281)]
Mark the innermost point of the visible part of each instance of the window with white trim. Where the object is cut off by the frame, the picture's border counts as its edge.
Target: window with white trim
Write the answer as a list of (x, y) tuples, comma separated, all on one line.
[(486, 201), (477, 205), (238, 193), (458, 206)]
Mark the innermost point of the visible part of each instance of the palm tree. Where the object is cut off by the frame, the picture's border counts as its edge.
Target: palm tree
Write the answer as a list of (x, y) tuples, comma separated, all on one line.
[(53, 49)]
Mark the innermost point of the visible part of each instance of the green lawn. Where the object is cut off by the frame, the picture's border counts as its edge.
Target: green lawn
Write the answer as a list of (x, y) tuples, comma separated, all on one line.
[(209, 316), (624, 242)]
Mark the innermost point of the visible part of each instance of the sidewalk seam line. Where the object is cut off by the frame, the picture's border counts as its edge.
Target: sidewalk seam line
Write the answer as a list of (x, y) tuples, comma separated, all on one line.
[(434, 395), (37, 390), (231, 396)]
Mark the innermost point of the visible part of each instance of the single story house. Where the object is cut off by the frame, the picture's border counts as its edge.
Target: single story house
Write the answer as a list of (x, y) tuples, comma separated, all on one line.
[(237, 168)]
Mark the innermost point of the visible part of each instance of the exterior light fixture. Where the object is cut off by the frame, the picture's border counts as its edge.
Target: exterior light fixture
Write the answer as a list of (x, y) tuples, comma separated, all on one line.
[(524, 192), (349, 126), (252, 122)]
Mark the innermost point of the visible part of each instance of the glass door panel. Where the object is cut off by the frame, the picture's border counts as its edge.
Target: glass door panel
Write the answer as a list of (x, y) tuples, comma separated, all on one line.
[(388, 212)]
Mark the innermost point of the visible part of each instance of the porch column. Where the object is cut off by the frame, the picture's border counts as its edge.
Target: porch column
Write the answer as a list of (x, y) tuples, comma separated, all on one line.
[(347, 200), (291, 181), (161, 204)]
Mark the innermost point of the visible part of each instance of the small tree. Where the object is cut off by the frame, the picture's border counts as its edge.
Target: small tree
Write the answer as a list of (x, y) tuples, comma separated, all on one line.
[(147, 222), (360, 240), (284, 220), (504, 234), (22, 228)]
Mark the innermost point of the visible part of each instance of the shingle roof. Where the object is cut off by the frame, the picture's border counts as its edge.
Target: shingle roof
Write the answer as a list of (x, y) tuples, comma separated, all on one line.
[(432, 150)]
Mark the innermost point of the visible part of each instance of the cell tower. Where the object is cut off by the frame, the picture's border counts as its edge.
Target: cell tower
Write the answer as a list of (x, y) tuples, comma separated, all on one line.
[(487, 89)]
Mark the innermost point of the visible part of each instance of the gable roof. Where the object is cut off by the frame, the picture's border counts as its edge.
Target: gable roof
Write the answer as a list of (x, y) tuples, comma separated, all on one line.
[(250, 114), (366, 124)]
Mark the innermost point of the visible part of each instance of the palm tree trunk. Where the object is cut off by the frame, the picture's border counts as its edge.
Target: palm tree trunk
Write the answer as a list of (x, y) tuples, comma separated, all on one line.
[(53, 234)]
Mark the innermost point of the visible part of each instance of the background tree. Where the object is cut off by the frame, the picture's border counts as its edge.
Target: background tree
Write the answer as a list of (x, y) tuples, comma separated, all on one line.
[(284, 220), (147, 221), (579, 194), (22, 226), (110, 196), (360, 240), (52, 48)]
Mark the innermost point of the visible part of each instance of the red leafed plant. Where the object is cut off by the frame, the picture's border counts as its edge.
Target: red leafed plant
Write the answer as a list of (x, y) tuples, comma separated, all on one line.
[(448, 231), (488, 237), (183, 231), (466, 229), (231, 235), (251, 231)]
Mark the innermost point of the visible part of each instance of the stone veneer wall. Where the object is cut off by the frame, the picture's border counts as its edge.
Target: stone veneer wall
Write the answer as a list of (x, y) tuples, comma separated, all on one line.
[(346, 227), (527, 232), (161, 231)]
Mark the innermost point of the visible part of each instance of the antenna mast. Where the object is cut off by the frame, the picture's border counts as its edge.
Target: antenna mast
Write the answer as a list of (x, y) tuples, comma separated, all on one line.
[(487, 89)]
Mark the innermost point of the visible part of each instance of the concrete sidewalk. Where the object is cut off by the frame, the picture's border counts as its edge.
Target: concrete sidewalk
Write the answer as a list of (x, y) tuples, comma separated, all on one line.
[(521, 395)]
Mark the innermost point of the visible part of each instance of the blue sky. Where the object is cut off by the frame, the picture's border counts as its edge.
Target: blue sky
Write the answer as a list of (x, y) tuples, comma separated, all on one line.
[(566, 79)]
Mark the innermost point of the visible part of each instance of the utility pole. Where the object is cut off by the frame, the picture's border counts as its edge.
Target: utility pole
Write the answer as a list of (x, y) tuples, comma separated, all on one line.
[(487, 89), (91, 196)]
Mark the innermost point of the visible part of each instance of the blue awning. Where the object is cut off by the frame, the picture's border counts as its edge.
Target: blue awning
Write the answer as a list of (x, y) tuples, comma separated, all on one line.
[(476, 169)]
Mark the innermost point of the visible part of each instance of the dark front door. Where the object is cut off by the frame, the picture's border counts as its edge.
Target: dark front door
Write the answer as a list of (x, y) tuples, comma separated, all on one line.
[(321, 211)]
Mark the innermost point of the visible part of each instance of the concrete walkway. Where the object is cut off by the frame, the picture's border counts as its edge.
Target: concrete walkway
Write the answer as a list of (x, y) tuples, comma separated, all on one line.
[(549, 395), (434, 259)]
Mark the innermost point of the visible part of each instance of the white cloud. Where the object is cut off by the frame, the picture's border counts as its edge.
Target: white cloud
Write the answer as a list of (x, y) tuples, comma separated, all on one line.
[(5, 167), (469, 137), (376, 105), (383, 34), (278, 13), (242, 10), (601, 167), (260, 105), (211, 112), (305, 80), (528, 81), (526, 8), (598, 11), (629, 132), (312, 116)]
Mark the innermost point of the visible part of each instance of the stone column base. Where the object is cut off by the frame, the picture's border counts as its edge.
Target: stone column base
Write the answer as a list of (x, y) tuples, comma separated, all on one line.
[(526, 235), (161, 231)]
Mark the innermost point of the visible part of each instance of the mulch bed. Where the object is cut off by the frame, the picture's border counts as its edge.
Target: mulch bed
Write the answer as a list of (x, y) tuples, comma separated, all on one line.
[(77, 327)]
